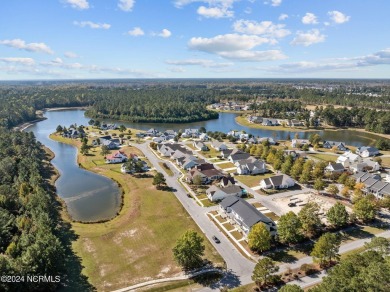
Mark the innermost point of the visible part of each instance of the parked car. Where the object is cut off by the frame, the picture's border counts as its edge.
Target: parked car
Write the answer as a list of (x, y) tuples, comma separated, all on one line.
[(188, 195), (216, 240), (292, 204)]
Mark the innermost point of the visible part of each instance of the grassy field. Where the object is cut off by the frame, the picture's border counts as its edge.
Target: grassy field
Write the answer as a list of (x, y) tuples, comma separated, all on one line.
[(189, 145), (323, 157), (244, 122), (385, 161), (252, 180), (211, 153), (135, 246), (166, 168)]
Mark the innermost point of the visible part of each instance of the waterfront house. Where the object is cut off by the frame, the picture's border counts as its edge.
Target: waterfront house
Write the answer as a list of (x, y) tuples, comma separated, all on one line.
[(117, 157), (367, 151), (330, 144)]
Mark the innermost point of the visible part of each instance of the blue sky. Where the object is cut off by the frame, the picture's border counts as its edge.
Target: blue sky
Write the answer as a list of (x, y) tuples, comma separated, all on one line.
[(78, 39)]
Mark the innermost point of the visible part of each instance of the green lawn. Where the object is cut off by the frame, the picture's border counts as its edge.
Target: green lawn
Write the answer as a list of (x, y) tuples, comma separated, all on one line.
[(360, 232), (385, 161), (137, 244), (324, 157), (272, 216), (237, 235), (252, 180), (257, 205), (189, 145), (226, 165), (211, 153)]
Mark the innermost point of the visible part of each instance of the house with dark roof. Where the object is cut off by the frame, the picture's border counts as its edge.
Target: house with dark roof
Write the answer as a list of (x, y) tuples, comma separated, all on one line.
[(334, 168), (367, 151), (168, 149), (238, 155), (207, 175), (188, 161), (377, 187), (277, 182), (217, 193), (244, 215), (201, 146), (270, 122), (330, 144), (219, 146), (227, 181), (250, 166)]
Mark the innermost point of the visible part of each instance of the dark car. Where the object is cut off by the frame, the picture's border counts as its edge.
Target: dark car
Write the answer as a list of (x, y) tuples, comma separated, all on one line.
[(292, 204), (188, 195), (216, 240)]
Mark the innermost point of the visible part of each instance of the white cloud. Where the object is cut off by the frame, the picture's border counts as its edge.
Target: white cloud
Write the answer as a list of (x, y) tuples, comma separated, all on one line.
[(274, 2), (78, 4), (308, 38), (198, 62), (266, 28), (23, 61), (31, 47), (338, 17), (235, 47), (227, 3), (177, 70), (92, 25), (165, 33), (126, 5), (283, 16), (309, 18), (70, 55), (254, 56), (215, 12), (136, 31)]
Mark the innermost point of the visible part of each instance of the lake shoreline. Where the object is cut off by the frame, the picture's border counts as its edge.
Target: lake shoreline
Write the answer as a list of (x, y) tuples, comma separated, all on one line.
[(79, 164)]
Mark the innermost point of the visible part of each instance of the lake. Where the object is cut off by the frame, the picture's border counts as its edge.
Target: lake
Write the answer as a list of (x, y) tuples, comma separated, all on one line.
[(88, 196)]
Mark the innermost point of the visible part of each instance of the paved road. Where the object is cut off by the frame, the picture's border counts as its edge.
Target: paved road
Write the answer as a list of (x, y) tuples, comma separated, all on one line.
[(239, 268)]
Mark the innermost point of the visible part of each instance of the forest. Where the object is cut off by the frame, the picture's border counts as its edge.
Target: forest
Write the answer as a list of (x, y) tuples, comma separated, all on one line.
[(31, 241), (365, 103)]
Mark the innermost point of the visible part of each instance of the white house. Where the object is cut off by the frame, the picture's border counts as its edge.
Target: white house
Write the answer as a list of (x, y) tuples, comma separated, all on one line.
[(250, 166), (117, 157), (219, 146), (348, 158), (299, 142), (215, 193), (201, 146), (367, 151), (277, 182), (203, 137)]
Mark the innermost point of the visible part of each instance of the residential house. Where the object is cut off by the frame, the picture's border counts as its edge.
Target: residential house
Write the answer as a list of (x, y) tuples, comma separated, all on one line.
[(295, 143), (295, 123), (219, 146), (250, 166), (384, 192), (216, 193), (106, 127), (226, 153), (191, 133), (366, 165), (367, 151), (277, 182), (330, 144), (270, 140), (207, 175), (348, 158), (201, 146), (244, 215), (153, 133), (238, 155), (117, 157), (363, 176), (252, 140), (188, 161), (255, 119), (110, 144), (270, 122), (227, 181), (377, 187), (239, 135), (169, 134), (168, 149), (334, 168), (204, 137)]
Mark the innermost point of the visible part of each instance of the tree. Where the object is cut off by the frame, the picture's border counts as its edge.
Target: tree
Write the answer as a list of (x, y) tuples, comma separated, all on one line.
[(202, 130), (297, 168), (310, 221), (263, 272), (259, 238), (314, 139), (289, 228), (84, 149), (333, 190), (189, 250), (345, 192), (379, 244), (291, 288), (337, 215), (197, 180), (91, 122), (122, 128), (326, 248), (105, 151), (319, 185), (318, 171), (350, 182), (158, 179), (365, 209), (343, 177), (59, 129)]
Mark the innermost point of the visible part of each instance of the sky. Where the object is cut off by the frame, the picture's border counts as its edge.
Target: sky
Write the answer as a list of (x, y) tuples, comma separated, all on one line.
[(97, 39)]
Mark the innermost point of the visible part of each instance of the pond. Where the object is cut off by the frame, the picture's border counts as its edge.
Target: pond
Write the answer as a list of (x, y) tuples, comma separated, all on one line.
[(88, 196)]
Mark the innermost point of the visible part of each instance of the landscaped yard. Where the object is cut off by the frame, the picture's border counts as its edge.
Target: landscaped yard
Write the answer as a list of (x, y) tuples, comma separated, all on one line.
[(272, 216), (137, 244), (211, 153), (323, 157), (257, 205), (226, 165), (191, 146), (385, 161), (252, 180), (166, 168), (360, 232)]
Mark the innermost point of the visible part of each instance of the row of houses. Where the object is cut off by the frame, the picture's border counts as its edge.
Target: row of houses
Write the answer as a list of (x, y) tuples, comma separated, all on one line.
[(373, 184), (275, 122), (110, 142), (356, 163), (74, 133)]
